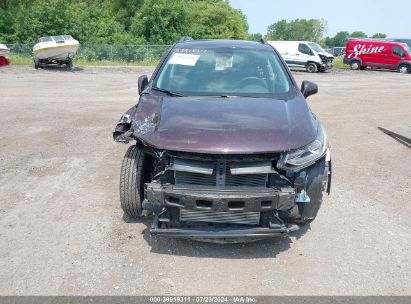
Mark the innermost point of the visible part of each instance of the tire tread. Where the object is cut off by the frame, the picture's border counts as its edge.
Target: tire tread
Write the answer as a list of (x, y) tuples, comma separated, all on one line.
[(132, 182)]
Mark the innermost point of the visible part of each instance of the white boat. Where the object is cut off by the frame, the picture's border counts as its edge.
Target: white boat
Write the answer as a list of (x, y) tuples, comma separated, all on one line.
[(4, 50), (55, 49)]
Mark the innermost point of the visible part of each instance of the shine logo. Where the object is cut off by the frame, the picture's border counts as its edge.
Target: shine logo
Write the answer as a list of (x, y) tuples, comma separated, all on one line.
[(361, 49)]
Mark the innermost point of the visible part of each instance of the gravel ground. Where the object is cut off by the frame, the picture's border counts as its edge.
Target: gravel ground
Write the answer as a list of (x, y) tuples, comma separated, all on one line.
[(62, 230)]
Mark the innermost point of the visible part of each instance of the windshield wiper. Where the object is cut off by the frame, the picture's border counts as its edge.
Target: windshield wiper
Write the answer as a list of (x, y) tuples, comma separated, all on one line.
[(171, 93)]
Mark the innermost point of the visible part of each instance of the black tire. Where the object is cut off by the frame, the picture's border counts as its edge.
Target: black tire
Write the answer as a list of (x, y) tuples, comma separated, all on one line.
[(404, 69), (355, 65), (70, 64), (315, 186), (132, 182), (36, 63), (311, 67)]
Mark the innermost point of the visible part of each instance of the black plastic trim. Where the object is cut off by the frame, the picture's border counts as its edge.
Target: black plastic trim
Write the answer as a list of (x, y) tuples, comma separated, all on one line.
[(220, 233), (187, 196)]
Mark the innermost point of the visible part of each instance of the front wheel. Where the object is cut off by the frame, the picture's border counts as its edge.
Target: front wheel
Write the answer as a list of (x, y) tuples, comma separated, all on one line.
[(404, 69), (311, 67), (132, 182)]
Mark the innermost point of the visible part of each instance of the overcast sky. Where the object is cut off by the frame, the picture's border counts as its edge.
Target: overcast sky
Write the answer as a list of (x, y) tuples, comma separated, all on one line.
[(378, 16)]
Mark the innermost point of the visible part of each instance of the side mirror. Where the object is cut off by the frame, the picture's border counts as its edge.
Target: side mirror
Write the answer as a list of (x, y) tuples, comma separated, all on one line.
[(142, 83), (308, 88)]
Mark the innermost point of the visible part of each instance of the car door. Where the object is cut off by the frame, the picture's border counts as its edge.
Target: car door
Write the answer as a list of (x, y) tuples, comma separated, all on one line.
[(398, 54), (377, 56), (303, 54)]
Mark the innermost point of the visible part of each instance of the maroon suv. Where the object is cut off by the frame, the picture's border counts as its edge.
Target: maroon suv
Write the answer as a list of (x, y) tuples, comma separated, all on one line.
[(227, 148)]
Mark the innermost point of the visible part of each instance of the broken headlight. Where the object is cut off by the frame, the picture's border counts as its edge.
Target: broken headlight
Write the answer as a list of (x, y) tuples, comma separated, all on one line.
[(306, 156)]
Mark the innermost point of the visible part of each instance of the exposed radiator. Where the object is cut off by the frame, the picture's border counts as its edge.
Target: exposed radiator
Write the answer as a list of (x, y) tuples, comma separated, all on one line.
[(187, 178), (243, 218), (250, 180)]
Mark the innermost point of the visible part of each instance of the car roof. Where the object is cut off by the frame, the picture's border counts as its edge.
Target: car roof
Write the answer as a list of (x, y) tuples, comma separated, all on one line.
[(292, 41), (377, 41), (224, 43)]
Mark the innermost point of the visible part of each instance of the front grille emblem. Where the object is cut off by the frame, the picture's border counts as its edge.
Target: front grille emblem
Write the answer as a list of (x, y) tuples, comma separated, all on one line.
[(220, 172)]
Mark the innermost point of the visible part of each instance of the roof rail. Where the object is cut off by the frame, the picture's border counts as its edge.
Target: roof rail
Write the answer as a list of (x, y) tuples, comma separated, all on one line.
[(185, 38)]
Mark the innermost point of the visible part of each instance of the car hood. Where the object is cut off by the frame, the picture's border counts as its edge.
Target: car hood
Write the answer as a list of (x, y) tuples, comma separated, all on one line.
[(217, 125), (326, 54)]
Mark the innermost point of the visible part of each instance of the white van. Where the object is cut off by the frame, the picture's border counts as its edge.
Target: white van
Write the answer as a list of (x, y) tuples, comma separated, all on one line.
[(304, 54)]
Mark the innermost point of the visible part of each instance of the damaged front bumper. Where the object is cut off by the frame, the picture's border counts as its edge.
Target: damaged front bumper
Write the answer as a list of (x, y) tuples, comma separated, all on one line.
[(222, 235), (228, 215)]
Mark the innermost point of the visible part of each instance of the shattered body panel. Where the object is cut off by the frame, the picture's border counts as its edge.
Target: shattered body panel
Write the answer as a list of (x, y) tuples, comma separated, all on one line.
[(221, 126)]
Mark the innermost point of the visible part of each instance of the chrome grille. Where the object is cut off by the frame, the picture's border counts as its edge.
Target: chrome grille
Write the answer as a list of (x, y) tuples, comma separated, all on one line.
[(242, 218)]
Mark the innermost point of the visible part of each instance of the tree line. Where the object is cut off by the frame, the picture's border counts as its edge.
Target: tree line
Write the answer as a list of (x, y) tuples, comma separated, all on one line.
[(311, 30), (148, 22), (341, 38), (120, 21)]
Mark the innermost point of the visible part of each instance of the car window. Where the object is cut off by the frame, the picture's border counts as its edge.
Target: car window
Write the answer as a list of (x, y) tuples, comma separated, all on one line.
[(398, 51), (225, 71), (316, 47), (303, 48)]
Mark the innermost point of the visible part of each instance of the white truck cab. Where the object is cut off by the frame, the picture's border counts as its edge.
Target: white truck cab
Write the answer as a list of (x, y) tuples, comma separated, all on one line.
[(304, 54)]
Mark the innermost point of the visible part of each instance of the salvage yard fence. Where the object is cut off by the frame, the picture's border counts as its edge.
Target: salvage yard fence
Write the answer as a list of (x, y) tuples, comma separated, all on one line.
[(105, 52)]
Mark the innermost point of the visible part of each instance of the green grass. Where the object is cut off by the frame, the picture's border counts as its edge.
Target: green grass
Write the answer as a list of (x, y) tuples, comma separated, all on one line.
[(82, 62), (339, 64), (17, 59)]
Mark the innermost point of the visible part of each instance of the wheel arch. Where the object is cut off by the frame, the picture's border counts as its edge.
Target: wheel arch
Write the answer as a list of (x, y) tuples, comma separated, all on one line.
[(406, 63)]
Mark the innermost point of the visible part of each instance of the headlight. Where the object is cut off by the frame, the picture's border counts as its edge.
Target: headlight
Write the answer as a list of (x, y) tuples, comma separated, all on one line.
[(306, 156)]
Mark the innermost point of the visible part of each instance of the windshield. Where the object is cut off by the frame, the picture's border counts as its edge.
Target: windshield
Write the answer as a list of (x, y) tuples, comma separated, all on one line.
[(58, 38), (45, 39), (224, 72), (316, 47)]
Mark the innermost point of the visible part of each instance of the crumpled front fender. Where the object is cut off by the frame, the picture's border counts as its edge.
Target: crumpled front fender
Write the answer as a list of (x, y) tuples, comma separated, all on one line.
[(139, 121)]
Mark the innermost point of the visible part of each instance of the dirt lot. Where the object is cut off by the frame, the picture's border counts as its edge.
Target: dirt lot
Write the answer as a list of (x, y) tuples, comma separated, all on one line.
[(61, 226)]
